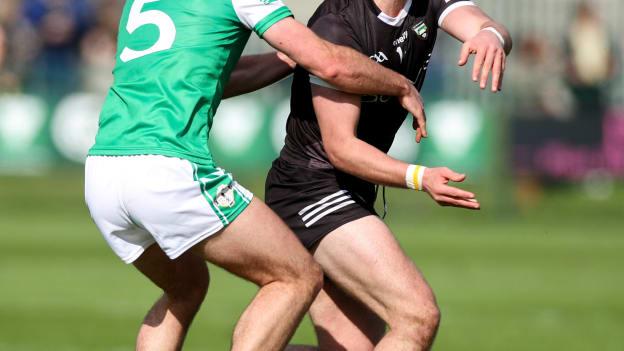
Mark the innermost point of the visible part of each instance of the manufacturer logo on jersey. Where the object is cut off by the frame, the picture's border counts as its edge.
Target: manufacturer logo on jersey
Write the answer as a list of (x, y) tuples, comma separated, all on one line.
[(225, 196), (421, 29), (379, 57), (267, 2)]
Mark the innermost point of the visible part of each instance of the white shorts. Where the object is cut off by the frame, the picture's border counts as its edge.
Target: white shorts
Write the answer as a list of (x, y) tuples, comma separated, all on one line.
[(137, 201)]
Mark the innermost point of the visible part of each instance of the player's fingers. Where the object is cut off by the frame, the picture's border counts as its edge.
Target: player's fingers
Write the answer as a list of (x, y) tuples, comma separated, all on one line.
[(500, 83), (487, 67), (478, 64), (418, 135), (452, 175), (464, 54), (451, 201), (421, 120), (286, 59), (504, 61), (452, 191), (497, 71)]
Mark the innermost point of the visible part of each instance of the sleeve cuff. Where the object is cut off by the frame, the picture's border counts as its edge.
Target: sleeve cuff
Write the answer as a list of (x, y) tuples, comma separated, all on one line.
[(318, 81), (452, 8), (271, 19)]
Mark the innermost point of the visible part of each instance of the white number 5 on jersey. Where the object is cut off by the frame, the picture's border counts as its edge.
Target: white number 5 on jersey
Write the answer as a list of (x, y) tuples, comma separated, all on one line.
[(137, 19)]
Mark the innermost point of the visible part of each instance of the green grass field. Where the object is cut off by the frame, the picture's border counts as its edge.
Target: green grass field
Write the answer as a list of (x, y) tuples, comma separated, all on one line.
[(550, 277)]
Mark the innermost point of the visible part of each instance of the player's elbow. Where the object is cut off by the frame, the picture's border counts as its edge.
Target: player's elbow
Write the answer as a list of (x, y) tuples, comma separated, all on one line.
[(337, 156), (337, 67), (331, 72)]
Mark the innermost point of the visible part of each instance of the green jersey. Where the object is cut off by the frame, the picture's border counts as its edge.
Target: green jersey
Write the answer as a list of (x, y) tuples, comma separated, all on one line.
[(174, 58)]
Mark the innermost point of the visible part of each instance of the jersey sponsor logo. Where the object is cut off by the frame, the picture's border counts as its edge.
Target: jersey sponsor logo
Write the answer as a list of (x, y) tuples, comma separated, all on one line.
[(400, 40), (421, 30), (379, 57), (373, 99), (225, 196)]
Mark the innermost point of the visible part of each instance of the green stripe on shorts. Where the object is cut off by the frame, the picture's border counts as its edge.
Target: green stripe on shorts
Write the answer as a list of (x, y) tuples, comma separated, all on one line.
[(221, 191)]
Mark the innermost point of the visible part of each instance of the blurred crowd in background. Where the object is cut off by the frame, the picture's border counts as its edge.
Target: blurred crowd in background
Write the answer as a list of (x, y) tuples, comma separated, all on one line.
[(573, 76), (52, 48), (560, 111)]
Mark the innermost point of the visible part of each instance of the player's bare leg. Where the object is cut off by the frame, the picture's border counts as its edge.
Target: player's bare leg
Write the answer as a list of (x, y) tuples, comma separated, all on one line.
[(259, 247), (364, 259), (256, 246), (184, 283), (342, 323)]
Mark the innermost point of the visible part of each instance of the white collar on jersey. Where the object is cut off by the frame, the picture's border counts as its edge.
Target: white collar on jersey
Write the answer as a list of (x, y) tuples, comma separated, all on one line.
[(398, 20)]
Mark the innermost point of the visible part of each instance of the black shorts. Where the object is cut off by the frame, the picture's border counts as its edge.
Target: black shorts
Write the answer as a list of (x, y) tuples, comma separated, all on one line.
[(311, 201)]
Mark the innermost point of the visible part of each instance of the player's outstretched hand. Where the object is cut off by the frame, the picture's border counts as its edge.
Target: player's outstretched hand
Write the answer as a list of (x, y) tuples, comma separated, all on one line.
[(413, 103), (490, 57), (435, 183)]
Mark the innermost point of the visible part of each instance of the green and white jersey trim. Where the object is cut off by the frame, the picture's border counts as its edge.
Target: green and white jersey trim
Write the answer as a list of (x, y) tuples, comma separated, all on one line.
[(260, 15)]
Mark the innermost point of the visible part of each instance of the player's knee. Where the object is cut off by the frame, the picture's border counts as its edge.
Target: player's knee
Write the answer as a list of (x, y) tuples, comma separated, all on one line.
[(189, 292), (313, 276), (418, 321)]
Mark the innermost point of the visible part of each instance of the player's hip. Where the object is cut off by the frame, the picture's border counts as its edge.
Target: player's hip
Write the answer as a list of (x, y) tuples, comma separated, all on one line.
[(140, 200), (312, 202)]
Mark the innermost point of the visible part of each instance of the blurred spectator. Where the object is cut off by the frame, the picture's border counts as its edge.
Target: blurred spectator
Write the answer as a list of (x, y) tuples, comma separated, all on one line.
[(59, 25), (591, 62), (98, 47), (9, 81), (536, 79)]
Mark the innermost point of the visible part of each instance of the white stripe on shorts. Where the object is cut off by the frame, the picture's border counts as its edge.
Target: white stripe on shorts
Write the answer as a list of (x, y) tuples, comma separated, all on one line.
[(335, 208), (326, 205), (322, 201)]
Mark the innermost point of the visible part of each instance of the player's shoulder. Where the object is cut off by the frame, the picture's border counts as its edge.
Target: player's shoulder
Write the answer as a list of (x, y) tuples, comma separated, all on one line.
[(438, 9), (338, 12)]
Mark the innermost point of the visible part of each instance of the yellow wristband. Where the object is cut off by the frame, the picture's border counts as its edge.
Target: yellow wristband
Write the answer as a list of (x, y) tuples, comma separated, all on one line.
[(414, 176)]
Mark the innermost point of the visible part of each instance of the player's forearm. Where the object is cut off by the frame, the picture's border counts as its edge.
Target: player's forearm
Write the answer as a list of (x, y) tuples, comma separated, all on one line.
[(342, 67), (364, 161), (466, 22), (255, 72), (355, 73)]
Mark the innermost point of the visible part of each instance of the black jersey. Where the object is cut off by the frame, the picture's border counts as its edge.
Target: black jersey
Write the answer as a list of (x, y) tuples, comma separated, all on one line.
[(403, 44)]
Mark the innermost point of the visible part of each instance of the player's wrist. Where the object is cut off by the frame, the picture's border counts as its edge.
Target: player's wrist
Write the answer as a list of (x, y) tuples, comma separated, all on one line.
[(498, 34), (414, 177), (406, 87)]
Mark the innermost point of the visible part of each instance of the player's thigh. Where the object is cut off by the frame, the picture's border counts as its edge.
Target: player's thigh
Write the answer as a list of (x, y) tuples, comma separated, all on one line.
[(343, 323), (258, 246), (188, 274), (364, 259)]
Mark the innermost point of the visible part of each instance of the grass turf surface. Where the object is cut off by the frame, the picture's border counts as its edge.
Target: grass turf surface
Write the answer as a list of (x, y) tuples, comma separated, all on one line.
[(544, 278)]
